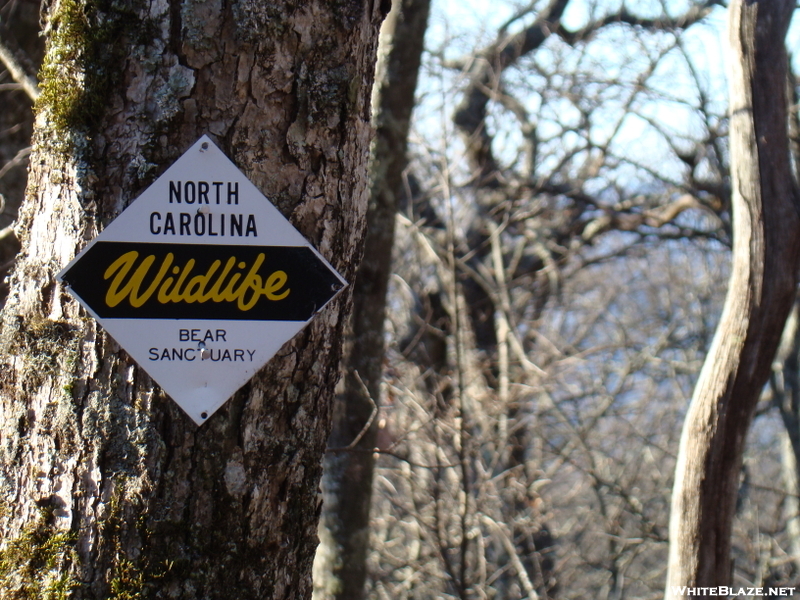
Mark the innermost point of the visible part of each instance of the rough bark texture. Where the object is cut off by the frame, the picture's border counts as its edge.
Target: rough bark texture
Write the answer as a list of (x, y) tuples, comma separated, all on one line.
[(340, 568), (108, 488), (761, 291)]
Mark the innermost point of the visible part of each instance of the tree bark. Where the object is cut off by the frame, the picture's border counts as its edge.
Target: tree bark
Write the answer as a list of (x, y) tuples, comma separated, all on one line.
[(766, 253), (340, 567), (108, 488)]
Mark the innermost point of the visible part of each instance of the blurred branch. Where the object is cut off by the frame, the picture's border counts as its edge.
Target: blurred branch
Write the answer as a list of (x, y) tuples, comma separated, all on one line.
[(505, 538), (19, 159), (521, 13), (405, 459), (690, 17), (17, 71), (372, 415)]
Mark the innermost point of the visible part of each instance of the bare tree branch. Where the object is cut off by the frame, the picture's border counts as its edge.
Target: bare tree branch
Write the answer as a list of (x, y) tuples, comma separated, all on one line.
[(690, 17), (6, 232), (20, 159), (18, 72)]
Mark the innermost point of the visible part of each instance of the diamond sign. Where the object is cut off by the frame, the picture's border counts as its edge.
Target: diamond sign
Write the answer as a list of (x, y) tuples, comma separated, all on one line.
[(201, 280)]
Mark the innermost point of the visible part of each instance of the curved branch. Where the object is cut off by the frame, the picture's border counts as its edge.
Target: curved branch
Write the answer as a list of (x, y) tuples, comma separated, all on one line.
[(18, 73)]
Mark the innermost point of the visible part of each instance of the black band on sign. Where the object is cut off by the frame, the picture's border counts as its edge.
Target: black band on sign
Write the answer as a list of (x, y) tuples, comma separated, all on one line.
[(138, 280)]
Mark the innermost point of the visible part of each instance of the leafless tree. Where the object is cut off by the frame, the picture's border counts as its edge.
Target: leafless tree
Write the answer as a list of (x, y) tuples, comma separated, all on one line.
[(510, 232), (340, 567)]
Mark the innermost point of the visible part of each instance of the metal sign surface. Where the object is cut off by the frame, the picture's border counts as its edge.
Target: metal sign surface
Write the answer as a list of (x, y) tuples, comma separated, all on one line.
[(202, 280)]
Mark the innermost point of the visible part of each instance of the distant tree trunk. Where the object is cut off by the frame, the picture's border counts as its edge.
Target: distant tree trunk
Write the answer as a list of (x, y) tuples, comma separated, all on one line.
[(340, 568), (766, 254), (108, 490)]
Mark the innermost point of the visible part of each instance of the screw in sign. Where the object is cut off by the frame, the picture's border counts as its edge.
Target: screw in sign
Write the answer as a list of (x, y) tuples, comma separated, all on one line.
[(202, 280)]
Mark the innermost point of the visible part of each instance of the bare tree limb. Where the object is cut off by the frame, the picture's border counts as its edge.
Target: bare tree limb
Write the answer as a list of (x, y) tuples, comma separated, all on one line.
[(505, 538), (690, 17), (19, 159), (18, 72)]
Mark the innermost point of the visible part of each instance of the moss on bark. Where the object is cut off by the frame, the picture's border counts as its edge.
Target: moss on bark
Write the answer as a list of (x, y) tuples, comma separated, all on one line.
[(37, 564)]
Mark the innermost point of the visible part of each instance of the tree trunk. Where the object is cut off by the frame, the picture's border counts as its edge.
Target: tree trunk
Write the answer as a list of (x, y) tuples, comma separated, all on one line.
[(108, 488), (766, 252), (340, 567)]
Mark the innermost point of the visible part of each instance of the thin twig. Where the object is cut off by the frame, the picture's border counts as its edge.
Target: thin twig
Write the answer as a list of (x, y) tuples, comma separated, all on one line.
[(17, 160), (18, 73), (372, 415), (512, 554), (6, 232), (405, 459)]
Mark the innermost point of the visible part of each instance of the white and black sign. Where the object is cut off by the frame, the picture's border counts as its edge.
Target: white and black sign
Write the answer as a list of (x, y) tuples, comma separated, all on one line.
[(201, 280)]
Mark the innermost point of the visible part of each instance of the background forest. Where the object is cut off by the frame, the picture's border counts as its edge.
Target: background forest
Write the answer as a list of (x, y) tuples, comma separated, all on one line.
[(560, 258)]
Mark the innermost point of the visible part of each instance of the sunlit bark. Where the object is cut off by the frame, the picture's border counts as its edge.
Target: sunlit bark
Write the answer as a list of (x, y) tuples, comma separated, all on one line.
[(98, 467)]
